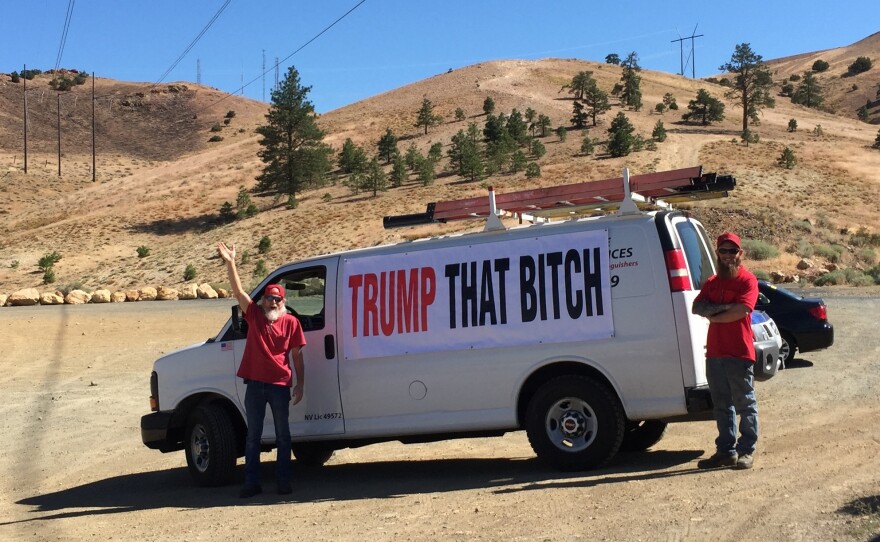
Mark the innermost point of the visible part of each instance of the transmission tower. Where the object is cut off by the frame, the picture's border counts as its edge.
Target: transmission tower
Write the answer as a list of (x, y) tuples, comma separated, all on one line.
[(276, 73), (199, 71), (264, 75), (692, 55)]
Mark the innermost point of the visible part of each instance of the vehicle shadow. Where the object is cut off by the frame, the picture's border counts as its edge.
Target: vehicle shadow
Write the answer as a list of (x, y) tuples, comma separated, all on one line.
[(798, 363), (173, 488)]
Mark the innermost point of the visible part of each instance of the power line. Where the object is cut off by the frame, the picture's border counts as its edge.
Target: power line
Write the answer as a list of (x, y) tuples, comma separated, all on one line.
[(194, 41), (67, 19), (300, 48)]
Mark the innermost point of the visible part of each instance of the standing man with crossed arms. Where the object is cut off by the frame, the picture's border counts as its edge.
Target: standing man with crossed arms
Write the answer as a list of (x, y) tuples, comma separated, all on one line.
[(274, 346)]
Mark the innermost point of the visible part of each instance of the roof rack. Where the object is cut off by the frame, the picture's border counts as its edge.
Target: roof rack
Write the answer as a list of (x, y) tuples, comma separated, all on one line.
[(625, 193)]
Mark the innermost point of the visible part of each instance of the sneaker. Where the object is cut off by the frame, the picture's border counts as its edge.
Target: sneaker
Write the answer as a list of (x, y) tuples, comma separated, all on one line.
[(717, 461), (745, 461), (284, 488), (249, 491)]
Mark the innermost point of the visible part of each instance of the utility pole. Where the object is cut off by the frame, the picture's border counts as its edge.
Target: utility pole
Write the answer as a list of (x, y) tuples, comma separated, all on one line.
[(199, 71), (94, 169), (59, 133), (264, 75), (24, 87), (693, 53)]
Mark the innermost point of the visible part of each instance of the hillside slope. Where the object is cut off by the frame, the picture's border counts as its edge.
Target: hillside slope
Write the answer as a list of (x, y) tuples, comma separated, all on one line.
[(160, 184)]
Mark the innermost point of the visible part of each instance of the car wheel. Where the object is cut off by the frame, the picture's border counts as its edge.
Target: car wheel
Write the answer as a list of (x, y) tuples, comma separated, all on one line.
[(210, 446), (640, 436), (311, 455), (787, 350), (574, 423)]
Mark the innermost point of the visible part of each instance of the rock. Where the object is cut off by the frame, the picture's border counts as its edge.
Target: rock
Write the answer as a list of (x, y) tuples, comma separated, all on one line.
[(100, 296), (188, 291), (118, 297), (24, 298), (206, 292), (3, 298), (77, 297), (51, 298), (795, 279), (166, 294), (777, 276), (147, 293), (805, 264), (223, 293), (132, 295), (832, 266)]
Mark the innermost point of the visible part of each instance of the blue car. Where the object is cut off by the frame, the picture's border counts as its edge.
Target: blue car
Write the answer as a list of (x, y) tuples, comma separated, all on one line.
[(802, 321)]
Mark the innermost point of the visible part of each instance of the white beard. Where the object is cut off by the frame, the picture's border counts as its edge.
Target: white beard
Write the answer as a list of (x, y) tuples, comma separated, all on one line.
[(274, 314)]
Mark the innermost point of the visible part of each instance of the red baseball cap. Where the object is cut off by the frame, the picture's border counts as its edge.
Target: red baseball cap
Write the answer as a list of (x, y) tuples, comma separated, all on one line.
[(729, 237), (275, 289)]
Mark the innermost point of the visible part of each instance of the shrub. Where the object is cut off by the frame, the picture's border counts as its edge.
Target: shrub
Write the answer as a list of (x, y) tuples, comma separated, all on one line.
[(867, 255), (260, 270), (587, 145), (326, 198), (459, 113), (749, 136), (215, 138), (834, 278), (820, 66), (49, 276), (216, 127), (14, 264), (659, 132), (561, 133), (787, 160), (292, 202), (803, 248), (818, 130), (48, 260), (831, 253), (245, 257), (15, 78), (264, 245), (227, 121), (794, 77), (792, 125), (230, 114), (143, 251), (861, 64), (533, 170), (874, 273), (227, 214), (759, 250), (863, 238), (857, 277), (189, 273), (803, 225)]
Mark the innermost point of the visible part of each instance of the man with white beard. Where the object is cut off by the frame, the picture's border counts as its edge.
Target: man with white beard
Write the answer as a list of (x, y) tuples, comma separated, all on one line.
[(274, 346), (727, 299)]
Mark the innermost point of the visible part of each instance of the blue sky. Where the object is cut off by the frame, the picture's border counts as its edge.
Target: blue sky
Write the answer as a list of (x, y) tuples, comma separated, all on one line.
[(385, 44)]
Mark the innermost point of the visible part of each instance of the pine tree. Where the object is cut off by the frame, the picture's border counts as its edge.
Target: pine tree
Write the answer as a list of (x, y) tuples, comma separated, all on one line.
[(293, 150), (809, 92), (387, 145), (659, 133), (705, 108), (752, 84), (426, 116), (631, 81), (621, 138)]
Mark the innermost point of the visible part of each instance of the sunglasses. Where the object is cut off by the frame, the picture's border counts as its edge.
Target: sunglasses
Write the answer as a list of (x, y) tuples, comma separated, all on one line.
[(273, 298), (728, 250)]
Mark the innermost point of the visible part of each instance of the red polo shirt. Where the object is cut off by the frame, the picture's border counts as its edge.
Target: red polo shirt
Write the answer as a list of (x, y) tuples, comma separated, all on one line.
[(265, 357), (733, 339)]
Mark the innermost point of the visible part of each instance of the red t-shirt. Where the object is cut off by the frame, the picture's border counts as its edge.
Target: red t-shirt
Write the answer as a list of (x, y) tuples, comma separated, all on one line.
[(733, 339), (268, 343)]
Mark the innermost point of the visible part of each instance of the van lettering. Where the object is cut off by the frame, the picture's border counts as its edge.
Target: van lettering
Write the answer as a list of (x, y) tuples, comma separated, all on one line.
[(582, 290), (392, 299), (476, 292)]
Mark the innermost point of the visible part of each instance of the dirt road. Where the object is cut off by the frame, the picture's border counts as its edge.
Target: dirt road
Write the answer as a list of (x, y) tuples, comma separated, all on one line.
[(75, 383)]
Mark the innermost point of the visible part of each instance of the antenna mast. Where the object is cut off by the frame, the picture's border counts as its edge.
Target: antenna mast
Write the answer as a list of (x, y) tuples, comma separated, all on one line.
[(692, 55)]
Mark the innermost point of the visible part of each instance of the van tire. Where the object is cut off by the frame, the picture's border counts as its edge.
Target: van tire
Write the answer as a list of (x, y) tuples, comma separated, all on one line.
[(311, 455), (641, 435), (574, 423), (210, 446)]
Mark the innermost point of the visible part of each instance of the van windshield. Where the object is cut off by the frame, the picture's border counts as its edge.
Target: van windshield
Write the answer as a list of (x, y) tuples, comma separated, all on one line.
[(699, 259)]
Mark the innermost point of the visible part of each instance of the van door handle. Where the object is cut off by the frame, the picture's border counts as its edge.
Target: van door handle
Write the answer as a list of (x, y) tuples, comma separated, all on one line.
[(329, 347)]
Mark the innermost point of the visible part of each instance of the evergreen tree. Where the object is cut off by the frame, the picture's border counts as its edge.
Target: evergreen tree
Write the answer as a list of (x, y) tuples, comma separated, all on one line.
[(518, 161), (412, 157), (620, 141), (788, 159), (631, 93), (375, 178), (488, 105), (580, 83), (459, 114), (659, 133), (293, 150), (876, 144), (435, 152), (517, 127), (596, 101), (792, 125), (561, 133), (538, 149), (669, 101), (809, 92), (578, 115), (543, 123), (660, 108), (587, 145), (398, 170), (752, 84), (613, 59), (705, 108), (387, 145), (426, 116), (352, 159)]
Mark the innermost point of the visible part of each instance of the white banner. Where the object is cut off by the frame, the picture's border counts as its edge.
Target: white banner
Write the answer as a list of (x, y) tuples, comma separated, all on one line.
[(552, 288)]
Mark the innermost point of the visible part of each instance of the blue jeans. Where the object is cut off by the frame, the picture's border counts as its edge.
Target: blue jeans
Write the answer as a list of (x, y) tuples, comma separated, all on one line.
[(731, 384), (257, 395)]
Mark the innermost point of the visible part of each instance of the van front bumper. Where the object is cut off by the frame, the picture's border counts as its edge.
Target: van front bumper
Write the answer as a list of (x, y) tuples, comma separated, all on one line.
[(155, 430)]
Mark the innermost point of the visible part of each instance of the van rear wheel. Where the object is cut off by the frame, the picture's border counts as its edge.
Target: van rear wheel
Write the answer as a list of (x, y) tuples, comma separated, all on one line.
[(312, 455), (574, 423), (641, 435)]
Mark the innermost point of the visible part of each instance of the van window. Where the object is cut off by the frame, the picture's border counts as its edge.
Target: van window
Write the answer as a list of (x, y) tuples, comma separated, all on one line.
[(696, 251), (306, 295)]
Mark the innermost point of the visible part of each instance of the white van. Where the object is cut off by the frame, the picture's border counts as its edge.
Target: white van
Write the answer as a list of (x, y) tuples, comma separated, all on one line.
[(579, 332)]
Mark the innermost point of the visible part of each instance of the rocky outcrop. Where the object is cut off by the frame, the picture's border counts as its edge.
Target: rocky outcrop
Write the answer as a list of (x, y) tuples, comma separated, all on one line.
[(147, 293), (118, 297), (77, 297), (132, 295), (100, 296), (166, 294), (188, 291), (206, 292), (51, 298)]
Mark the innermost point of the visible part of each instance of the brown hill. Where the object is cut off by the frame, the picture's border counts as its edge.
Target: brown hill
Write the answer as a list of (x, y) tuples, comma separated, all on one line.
[(160, 183)]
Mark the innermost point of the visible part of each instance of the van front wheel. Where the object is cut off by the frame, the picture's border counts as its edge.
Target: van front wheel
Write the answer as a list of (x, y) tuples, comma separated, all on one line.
[(210, 446), (574, 423)]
